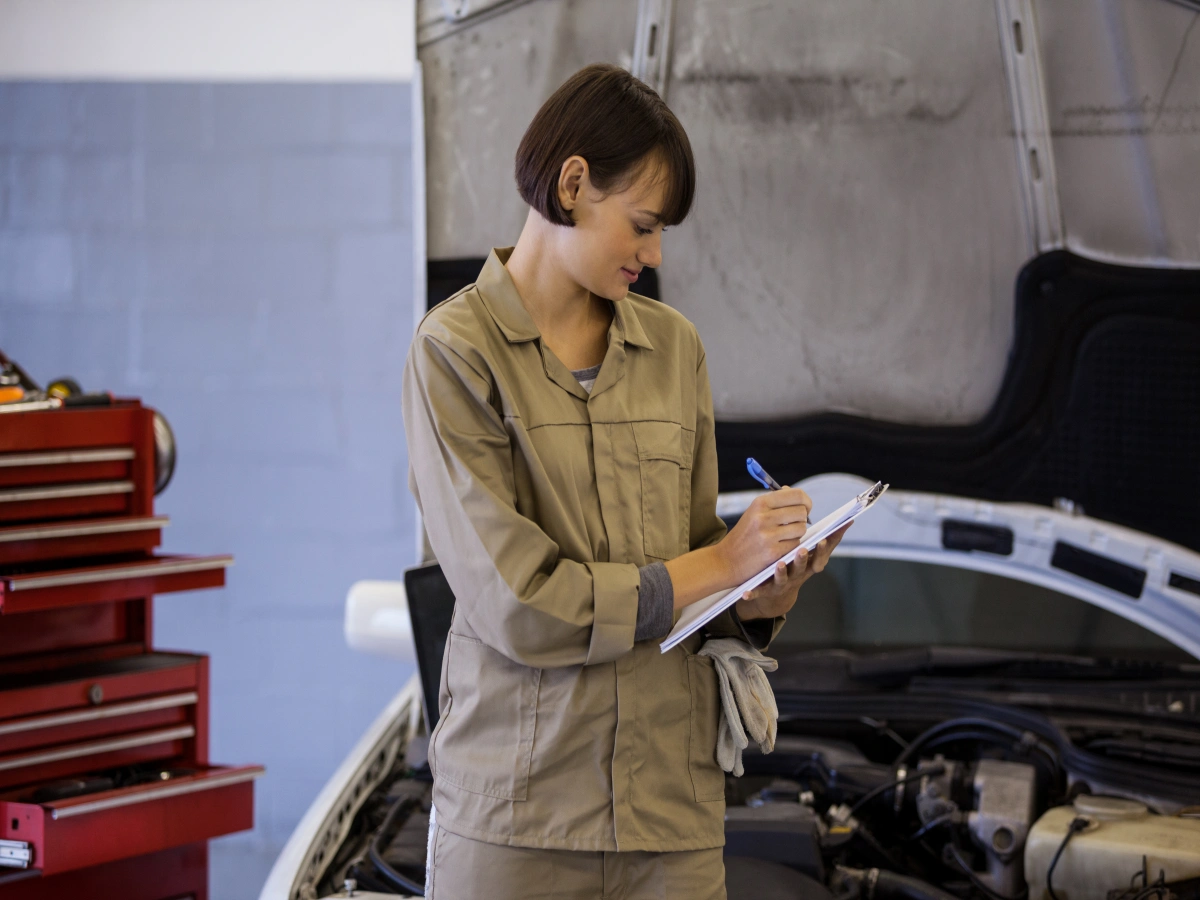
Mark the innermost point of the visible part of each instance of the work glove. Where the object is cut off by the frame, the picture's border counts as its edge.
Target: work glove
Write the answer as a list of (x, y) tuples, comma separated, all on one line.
[(748, 710)]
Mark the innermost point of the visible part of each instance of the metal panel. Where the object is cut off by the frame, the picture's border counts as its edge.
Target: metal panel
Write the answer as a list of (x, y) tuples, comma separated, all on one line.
[(866, 189), (858, 222), (858, 179), (1123, 82), (483, 84)]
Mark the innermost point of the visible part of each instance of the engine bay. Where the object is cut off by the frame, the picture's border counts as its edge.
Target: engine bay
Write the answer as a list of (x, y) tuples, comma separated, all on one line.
[(928, 777)]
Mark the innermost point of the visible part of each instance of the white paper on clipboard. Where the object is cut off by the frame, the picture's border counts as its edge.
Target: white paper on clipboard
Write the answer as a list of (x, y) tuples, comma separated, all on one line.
[(702, 611)]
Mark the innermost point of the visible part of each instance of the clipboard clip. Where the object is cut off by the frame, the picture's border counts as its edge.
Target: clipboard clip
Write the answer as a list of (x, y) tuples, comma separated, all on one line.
[(870, 495)]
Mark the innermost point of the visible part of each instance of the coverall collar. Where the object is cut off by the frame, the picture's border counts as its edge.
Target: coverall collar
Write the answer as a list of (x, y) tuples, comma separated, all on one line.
[(504, 304)]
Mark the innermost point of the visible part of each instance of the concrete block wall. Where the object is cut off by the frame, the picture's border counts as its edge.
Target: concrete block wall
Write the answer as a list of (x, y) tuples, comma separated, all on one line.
[(240, 257)]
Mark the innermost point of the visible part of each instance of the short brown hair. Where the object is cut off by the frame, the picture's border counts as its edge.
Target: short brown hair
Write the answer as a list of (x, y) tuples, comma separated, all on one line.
[(615, 122)]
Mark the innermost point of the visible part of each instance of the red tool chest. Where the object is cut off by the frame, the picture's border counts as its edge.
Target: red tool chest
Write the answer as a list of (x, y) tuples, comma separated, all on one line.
[(105, 780)]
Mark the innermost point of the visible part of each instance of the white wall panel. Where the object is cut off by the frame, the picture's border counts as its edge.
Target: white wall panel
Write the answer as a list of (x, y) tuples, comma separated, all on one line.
[(207, 40)]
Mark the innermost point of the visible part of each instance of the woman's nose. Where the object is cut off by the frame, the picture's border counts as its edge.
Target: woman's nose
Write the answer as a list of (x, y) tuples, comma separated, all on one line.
[(651, 254)]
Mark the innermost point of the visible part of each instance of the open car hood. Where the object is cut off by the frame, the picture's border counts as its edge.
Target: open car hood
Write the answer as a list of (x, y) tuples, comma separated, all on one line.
[(1147, 580)]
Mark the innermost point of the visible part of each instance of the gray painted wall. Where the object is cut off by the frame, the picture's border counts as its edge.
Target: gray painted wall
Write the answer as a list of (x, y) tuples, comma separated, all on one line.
[(240, 257)]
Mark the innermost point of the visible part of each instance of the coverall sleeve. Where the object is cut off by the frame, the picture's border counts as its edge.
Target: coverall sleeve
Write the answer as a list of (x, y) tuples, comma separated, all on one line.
[(509, 583), (707, 527)]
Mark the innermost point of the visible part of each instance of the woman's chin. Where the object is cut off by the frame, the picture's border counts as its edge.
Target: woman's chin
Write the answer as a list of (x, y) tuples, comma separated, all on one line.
[(612, 292)]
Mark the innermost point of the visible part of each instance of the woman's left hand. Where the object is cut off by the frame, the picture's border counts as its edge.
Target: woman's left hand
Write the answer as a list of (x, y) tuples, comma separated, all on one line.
[(777, 596)]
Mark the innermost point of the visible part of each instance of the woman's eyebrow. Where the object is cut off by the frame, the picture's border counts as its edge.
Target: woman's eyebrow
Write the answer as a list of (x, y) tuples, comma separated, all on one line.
[(656, 216)]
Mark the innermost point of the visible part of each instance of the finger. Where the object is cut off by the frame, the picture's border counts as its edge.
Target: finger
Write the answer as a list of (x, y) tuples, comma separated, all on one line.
[(836, 537), (799, 570), (788, 496), (827, 551), (781, 573), (783, 516), (791, 533)]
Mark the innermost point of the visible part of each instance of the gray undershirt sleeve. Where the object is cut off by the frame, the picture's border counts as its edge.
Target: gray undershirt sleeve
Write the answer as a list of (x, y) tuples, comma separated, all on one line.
[(656, 602)]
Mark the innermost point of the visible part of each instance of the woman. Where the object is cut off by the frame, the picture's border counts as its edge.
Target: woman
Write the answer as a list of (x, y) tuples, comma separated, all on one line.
[(560, 433)]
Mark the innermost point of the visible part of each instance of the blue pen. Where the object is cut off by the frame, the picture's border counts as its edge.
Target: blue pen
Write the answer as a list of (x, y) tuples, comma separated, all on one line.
[(759, 474)]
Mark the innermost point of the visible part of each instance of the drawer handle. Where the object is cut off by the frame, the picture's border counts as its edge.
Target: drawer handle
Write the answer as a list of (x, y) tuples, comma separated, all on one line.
[(112, 711), (96, 747), (116, 573), (52, 532), (62, 492), (159, 793), (66, 457)]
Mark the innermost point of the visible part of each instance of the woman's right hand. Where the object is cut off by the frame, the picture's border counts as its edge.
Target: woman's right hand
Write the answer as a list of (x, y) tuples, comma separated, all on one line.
[(772, 525)]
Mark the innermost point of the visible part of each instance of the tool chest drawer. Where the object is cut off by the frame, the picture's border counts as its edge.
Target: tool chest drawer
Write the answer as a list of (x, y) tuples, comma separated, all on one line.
[(62, 465), (93, 684), (75, 540), (184, 806), (40, 502), (70, 635), (39, 587), (85, 719), (86, 464)]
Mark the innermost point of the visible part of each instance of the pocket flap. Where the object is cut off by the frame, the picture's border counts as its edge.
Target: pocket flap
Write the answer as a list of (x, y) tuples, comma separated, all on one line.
[(659, 440)]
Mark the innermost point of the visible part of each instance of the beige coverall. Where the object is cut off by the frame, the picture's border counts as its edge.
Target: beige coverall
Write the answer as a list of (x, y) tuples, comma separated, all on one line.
[(541, 501)]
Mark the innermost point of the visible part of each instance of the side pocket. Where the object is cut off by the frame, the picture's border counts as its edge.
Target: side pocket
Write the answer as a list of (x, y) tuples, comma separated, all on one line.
[(708, 779), (665, 465), (484, 740)]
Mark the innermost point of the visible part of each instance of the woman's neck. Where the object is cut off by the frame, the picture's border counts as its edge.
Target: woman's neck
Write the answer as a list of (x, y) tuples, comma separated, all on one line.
[(573, 323)]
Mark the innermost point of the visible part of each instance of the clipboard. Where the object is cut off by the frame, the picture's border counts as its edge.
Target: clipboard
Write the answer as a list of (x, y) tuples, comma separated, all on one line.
[(703, 611)]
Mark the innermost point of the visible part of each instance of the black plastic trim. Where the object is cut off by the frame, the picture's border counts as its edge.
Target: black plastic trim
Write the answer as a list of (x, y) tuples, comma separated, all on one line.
[(446, 277), (1103, 570), (960, 535), (1183, 583), (431, 612)]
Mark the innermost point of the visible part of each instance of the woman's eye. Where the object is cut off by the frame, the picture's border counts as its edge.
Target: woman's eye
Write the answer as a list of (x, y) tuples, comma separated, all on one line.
[(643, 231)]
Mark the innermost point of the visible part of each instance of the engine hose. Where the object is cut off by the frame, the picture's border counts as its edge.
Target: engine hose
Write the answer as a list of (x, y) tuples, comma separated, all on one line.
[(999, 740), (890, 886), (931, 772), (375, 852), (1018, 736), (880, 884)]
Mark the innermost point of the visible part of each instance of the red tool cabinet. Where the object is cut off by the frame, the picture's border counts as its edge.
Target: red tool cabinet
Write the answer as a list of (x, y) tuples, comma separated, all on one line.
[(106, 787)]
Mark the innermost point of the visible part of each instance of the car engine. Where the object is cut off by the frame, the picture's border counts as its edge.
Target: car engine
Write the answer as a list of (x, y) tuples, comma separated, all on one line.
[(969, 807)]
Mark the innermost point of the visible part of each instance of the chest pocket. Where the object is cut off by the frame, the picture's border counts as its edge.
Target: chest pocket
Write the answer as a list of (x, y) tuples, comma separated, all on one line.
[(665, 465)]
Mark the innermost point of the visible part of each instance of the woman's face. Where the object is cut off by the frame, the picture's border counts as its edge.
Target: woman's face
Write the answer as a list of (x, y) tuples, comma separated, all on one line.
[(617, 234)]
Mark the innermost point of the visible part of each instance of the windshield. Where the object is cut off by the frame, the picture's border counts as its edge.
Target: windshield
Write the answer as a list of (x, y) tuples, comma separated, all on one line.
[(867, 604)]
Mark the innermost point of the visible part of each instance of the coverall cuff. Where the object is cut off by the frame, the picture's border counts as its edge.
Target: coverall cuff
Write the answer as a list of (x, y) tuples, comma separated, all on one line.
[(615, 608)]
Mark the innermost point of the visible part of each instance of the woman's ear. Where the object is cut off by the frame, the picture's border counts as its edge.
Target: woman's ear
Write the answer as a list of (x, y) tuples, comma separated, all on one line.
[(571, 180)]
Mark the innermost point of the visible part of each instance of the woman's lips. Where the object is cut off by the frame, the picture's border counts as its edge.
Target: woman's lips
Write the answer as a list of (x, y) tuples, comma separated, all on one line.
[(630, 275)]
